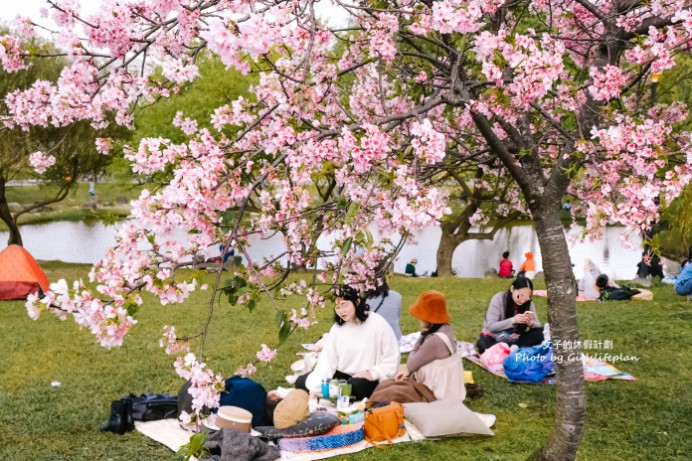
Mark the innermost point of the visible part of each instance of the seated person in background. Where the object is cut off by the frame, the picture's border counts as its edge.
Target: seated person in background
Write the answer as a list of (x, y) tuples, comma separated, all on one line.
[(528, 267), (683, 284), (411, 268), (229, 252), (433, 360), (511, 318), (650, 265), (586, 287), (506, 270), (361, 348), (386, 302)]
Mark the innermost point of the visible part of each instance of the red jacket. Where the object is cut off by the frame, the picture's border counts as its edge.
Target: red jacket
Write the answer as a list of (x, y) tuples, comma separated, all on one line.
[(505, 268)]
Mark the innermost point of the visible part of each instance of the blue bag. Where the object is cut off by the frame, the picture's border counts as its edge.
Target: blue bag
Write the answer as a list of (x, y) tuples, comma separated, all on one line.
[(530, 364)]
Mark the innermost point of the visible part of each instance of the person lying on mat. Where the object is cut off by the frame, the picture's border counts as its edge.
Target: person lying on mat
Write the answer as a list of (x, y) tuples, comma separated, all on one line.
[(511, 318), (361, 348), (433, 360)]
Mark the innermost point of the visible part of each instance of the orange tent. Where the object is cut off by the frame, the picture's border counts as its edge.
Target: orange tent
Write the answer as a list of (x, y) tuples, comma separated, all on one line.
[(20, 274)]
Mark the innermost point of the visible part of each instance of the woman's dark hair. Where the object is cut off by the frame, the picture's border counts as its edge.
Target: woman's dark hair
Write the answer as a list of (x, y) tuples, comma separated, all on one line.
[(432, 329), (351, 294), (269, 407), (382, 290), (505, 254), (511, 308), (602, 281)]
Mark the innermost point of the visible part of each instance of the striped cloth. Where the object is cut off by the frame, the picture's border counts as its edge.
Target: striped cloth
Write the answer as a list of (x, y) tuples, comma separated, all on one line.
[(340, 436)]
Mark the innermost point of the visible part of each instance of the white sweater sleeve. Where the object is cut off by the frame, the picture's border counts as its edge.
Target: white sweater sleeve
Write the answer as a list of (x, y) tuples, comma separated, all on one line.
[(326, 363)]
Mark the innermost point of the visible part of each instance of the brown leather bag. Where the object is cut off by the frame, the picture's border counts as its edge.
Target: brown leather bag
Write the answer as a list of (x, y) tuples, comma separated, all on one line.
[(384, 423)]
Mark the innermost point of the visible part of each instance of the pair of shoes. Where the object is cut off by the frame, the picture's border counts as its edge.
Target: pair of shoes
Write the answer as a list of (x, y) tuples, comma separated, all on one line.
[(121, 419)]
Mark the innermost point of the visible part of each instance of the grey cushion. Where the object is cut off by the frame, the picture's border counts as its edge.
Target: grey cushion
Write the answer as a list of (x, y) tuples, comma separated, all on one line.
[(318, 423), (445, 418)]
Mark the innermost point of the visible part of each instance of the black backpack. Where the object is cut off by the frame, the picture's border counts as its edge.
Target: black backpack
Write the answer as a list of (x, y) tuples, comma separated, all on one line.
[(150, 407)]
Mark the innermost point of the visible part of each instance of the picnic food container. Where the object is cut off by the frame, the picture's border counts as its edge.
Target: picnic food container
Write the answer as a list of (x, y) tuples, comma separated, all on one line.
[(234, 418)]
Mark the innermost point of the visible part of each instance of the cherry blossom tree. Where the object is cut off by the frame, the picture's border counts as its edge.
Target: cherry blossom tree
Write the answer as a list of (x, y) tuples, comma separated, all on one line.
[(336, 139)]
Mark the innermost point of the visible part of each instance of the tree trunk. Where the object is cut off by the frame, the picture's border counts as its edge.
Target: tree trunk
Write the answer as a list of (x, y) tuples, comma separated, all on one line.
[(445, 251), (570, 415), (7, 218)]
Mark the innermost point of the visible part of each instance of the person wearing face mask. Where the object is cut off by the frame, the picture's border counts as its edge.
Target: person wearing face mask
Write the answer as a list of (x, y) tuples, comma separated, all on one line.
[(361, 348), (512, 318)]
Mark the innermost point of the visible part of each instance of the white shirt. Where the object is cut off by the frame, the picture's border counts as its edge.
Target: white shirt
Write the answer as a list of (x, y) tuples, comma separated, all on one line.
[(369, 346)]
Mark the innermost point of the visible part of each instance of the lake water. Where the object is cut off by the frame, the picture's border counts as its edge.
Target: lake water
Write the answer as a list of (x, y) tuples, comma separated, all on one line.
[(82, 242)]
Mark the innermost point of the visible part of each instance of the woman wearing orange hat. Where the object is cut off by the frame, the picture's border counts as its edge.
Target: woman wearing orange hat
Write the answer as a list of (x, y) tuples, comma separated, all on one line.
[(434, 360)]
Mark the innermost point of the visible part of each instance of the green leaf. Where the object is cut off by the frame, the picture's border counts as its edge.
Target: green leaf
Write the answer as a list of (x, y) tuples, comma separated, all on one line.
[(353, 210), (284, 331), (347, 245), (239, 282), (195, 447), (369, 238), (280, 317), (132, 308)]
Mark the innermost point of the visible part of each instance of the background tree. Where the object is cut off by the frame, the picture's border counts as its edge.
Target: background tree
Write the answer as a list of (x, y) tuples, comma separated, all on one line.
[(552, 89), (73, 147), (483, 202)]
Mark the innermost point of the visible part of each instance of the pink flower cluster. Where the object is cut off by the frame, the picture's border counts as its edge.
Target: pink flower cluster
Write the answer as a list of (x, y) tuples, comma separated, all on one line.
[(171, 343), (40, 161), (180, 72), (456, 16), (188, 125), (246, 371), (104, 145), (607, 83), (109, 322), (205, 385), (266, 354), (11, 54), (428, 144), (536, 65)]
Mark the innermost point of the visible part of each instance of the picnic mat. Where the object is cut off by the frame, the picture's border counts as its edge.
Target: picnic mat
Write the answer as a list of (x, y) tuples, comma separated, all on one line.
[(544, 294), (594, 370), (169, 433)]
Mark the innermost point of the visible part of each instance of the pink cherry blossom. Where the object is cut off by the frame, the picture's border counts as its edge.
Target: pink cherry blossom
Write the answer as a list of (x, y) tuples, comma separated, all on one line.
[(266, 354), (40, 161)]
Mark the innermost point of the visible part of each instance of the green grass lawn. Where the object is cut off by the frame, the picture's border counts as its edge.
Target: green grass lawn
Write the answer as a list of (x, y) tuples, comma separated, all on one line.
[(645, 419)]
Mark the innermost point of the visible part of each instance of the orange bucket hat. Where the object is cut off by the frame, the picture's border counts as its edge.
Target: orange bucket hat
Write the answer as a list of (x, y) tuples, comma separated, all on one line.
[(528, 255), (431, 307)]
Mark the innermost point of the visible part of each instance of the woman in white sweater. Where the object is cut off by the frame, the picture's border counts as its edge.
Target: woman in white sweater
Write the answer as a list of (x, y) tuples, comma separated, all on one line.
[(361, 348)]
